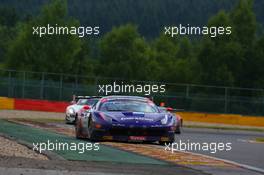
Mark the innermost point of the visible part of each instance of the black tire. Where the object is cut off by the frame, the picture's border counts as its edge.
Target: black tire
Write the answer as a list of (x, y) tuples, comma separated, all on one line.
[(78, 130), (90, 130), (75, 120), (178, 130), (66, 121), (181, 122)]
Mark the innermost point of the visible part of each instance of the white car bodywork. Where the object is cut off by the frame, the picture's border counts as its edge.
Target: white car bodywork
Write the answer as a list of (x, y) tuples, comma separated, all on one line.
[(73, 110)]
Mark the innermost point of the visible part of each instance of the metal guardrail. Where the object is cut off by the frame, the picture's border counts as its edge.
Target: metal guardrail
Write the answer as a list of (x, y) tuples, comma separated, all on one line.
[(191, 97)]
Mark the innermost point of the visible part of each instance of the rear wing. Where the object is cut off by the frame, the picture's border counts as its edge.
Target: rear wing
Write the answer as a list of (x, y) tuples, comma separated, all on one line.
[(77, 97)]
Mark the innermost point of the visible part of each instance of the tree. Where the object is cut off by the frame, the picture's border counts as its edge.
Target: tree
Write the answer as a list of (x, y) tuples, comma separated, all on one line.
[(244, 23), (8, 16), (8, 20), (174, 59), (185, 49), (164, 53), (221, 58), (50, 53), (245, 27), (124, 53), (257, 71)]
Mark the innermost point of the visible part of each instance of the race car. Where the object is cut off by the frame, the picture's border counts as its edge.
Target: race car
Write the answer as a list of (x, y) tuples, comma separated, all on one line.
[(126, 118), (79, 104), (177, 117)]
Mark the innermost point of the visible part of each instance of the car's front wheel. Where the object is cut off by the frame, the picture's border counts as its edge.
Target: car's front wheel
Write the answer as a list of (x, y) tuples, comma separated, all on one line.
[(91, 130), (77, 130), (178, 130)]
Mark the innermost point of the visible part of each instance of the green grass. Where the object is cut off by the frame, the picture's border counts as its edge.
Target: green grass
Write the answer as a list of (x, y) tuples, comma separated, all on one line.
[(42, 120), (105, 153), (260, 139)]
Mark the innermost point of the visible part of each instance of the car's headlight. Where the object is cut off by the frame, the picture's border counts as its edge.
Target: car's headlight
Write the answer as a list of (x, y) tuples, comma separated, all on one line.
[(164, 120), (71, 111)]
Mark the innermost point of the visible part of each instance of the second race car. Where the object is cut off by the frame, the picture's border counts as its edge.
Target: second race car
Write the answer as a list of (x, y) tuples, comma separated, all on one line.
[(79, 104)]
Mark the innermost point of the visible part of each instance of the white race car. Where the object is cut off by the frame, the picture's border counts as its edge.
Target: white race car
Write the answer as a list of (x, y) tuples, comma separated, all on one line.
[(79, 104)]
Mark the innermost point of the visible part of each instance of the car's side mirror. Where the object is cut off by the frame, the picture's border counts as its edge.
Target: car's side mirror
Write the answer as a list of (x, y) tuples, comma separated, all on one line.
[(169, 109)]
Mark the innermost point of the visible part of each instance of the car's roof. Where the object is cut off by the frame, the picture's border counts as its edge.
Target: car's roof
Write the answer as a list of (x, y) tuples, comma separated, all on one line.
[(117, 97), (86, 97)]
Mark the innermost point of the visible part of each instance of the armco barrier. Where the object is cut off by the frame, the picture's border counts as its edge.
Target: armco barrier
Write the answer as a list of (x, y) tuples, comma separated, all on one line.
[(51, 106), (33, 105), (232, 119), (6, 103), (40, 105)]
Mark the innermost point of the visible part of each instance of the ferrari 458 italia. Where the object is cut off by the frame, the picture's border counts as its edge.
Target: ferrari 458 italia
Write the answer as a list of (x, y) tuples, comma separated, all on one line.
[(126, 118)]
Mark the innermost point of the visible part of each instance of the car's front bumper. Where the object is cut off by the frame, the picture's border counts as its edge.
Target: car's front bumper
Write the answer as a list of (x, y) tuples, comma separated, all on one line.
[(135, 134)]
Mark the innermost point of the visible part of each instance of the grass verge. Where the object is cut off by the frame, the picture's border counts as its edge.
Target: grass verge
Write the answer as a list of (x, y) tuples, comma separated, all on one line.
[(260, 140), (41, 120)]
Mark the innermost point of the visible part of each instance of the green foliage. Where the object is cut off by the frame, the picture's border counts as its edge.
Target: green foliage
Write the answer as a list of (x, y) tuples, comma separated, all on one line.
[(8, 16), (244, 23), (50, 53), (149, 15), (8, 20), (229, 59), (226, 60), (245, 27), (3, 42), (124, 53)]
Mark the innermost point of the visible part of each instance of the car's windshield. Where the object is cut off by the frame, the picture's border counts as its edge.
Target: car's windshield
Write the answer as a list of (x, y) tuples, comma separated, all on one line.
[(90, 101), (162, 109), (129, 106)]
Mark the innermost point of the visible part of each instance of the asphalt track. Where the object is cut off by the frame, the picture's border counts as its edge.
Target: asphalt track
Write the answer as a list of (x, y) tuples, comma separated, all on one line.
[(244, 148), (107, 161)]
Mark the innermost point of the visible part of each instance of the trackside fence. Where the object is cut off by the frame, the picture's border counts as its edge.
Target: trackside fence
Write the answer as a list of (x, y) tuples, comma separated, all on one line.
[(190, 97)]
